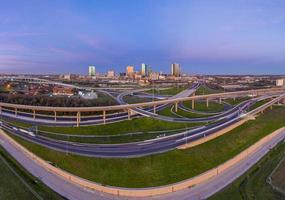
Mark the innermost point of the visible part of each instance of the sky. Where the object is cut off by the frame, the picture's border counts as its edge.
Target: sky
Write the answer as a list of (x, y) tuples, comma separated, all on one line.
[(204, 36)]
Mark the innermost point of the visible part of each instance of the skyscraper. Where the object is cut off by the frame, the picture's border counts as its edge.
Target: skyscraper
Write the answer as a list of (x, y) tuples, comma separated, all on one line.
[(145, 70), (92, 70), (130, 70), (175, 69)]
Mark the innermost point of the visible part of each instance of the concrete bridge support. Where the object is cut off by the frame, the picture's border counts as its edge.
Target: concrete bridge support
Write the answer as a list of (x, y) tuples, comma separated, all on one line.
[(193, 104), (78, 119), (104, 116), (55, 116), (129, 114), (34, 114), (207, 102)]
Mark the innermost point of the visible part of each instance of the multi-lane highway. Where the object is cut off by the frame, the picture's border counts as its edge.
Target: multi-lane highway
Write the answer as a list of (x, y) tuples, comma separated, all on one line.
[(148, 147)]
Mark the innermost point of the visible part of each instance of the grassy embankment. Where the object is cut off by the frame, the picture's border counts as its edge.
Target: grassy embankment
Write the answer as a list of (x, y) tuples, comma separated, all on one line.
[(253, 184), (138, 129), (166, 168), (17, 183), (170, 91)]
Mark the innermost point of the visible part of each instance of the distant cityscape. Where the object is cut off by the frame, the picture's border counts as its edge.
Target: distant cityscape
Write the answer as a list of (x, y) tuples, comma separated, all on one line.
[(144, 73)]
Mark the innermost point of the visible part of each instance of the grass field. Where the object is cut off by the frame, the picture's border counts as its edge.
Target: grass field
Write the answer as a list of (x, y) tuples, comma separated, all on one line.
[(18, 184), (253, 184), (278, 177), (171, 91), (201, 106), (202, 90), (258, 104), (134, 99), (166, 168), (237, 100), (167, 112), (135, 125)]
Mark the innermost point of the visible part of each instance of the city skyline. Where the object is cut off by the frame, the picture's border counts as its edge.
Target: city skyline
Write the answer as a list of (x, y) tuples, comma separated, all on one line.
[(230, 37)]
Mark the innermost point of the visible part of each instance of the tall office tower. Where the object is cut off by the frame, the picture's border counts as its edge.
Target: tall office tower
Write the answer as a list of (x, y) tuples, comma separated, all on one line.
[(92, 71), (145, 71), (130, 70), (175, 69)]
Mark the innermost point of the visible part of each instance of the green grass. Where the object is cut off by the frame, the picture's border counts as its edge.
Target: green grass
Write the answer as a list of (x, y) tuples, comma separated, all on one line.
[(171, 91), (190, 115), (278, 177), (135, 125), (167, 112), (259, 103), (134, 99), (115, 139), (166, 168), (252, 185), (11, 186), (201, 106), (202, 90), (236, 101)]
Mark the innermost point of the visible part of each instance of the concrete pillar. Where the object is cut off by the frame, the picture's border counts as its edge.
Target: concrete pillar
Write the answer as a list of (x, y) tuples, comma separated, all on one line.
[(129, 114), (104, 116), (154, 109), (78, 119), (207, 102), (271, 107), (220, 100), (193, 104), (234, 98), (34, 114), (0, 109), (55, 116), (16, 112), (176, 107)]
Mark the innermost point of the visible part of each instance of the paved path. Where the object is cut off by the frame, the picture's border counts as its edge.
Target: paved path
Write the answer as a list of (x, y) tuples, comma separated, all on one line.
[(201, 191), (208, 188)]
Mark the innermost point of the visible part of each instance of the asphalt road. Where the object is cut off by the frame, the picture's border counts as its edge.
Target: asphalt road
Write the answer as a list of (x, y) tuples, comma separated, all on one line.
[(138, 149), (200, 191)]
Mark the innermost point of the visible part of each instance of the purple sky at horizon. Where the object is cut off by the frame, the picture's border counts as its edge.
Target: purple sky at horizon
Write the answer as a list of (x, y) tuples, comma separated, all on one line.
[(204, 36)]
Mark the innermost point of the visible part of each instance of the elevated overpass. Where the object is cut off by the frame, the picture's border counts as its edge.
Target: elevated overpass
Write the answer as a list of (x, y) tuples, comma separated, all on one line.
[(77, 112)]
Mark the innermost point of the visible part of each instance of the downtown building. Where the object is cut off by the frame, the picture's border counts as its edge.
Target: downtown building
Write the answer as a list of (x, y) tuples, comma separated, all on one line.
[(175, 70), (145, 70), (130, 71), (91, 71)]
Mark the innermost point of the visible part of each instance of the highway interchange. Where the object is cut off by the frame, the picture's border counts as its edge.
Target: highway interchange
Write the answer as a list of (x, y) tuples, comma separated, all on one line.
[(148, 147), (216, 122)]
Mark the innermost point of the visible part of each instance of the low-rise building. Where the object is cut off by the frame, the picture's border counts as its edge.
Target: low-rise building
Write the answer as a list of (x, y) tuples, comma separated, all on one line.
[(280, 82), (63, 91)]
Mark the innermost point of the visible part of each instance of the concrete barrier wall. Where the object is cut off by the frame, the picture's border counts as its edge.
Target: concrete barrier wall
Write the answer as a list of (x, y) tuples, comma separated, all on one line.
[(145, 191)]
